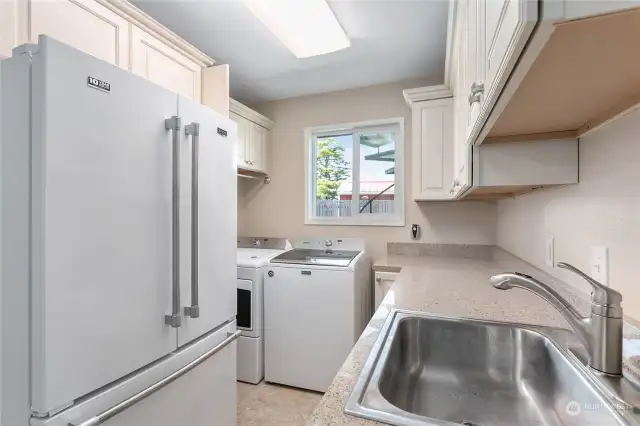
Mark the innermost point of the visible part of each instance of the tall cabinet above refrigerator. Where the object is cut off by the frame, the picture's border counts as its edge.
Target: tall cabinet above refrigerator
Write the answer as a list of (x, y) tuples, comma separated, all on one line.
[(117, 267)]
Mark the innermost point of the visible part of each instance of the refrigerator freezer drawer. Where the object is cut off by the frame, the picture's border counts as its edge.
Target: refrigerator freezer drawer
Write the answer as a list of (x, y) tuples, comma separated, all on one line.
[(203, 396)]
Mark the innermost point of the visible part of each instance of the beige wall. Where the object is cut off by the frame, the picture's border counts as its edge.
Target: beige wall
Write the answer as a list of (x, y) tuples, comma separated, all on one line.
[(603, 209), (277, 209)]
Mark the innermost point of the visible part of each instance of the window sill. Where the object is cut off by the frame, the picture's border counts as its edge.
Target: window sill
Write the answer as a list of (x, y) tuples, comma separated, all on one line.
[(348, 221)]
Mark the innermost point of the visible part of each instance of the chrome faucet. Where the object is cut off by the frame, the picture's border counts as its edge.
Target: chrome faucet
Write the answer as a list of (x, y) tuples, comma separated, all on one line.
[(600, 332)]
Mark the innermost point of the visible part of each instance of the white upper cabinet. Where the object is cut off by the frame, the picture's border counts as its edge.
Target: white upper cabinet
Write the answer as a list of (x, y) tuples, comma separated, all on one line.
[(253, 137), (243, 138), (114, 31), (432, 149), (490, 36), (84, 24), (258, 146), (504, 28), (486, 40), (158, 62)]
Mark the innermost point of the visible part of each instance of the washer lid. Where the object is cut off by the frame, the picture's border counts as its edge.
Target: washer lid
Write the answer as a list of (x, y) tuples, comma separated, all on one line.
[(340, 258), (255, 258)]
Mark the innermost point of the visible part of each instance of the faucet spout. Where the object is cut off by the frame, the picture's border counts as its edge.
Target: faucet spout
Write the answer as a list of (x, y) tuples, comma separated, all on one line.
[(510, 280), (600, 333)]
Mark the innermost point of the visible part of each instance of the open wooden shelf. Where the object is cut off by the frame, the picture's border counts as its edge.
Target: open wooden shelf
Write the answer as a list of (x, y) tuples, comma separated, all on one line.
[(586, 74)]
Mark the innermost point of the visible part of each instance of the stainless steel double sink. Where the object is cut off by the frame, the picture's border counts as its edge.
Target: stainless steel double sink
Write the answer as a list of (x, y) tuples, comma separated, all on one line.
[(430, 370)]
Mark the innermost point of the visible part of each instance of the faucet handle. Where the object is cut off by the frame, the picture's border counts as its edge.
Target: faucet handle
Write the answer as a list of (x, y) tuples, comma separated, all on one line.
[(601, 294)]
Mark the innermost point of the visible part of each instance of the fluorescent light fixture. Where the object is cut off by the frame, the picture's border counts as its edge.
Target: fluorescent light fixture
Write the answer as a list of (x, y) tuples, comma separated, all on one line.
[(306, 27)]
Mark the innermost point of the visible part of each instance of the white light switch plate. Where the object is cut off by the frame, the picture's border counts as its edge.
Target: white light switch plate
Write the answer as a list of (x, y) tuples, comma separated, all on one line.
[(600, 264), (549, 252)]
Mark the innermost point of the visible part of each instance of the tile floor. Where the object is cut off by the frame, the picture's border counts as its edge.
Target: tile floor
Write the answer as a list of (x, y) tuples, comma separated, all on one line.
[(272, 405)]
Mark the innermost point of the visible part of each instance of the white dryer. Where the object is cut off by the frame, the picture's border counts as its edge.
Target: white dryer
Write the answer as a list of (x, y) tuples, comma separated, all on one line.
[(253, 254), (317, 303)]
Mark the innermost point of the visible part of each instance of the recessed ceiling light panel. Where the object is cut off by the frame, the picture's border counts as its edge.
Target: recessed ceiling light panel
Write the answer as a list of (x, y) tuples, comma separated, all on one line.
[(306, 27)]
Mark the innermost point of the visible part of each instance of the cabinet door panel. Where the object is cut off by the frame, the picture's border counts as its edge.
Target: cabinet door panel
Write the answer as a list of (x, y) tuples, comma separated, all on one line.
[(243, 139), (473, 76), (84, 24), (461, 101), (160, 63), (505, 27), (383, 283), (432, 149), (257, 147)]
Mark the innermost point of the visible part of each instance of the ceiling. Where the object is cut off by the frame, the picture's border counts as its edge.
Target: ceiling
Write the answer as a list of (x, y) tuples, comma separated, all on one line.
[(391, 40)]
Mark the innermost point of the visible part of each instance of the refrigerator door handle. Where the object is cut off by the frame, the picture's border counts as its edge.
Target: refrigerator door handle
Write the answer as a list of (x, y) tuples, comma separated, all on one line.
[(127, 403), (193, 130), (174, 319)]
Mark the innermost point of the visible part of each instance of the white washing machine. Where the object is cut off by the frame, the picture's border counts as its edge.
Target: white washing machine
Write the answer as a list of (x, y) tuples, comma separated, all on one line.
[(317, 303), (253, 255)]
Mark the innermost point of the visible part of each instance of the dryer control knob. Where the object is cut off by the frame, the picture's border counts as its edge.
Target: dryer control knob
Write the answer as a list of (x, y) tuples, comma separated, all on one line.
[(271, 274)]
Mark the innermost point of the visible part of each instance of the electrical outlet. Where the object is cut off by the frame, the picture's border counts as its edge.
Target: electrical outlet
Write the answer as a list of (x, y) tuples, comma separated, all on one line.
[(600, 264), (549, 253)]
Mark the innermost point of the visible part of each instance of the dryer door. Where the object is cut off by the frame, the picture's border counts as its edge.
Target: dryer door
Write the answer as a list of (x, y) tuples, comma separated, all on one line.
[(246, 306)]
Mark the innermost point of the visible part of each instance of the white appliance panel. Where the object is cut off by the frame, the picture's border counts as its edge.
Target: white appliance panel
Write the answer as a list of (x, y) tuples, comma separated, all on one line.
[(306, 345), (255, 257), (15, 222), (101, 225), (217, 182)]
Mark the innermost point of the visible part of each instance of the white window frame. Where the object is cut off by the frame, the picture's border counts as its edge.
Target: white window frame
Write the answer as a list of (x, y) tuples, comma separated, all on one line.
[(365, 219)]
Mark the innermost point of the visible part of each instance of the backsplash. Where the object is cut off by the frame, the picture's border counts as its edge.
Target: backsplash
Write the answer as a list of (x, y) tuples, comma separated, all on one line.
[(464, 251)]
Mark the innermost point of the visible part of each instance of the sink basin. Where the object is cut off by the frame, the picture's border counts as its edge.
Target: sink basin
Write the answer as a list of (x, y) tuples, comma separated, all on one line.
[(429, 370)]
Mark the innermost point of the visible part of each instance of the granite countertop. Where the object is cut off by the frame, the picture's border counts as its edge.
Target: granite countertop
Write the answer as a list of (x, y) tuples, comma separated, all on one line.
[(456, 287)]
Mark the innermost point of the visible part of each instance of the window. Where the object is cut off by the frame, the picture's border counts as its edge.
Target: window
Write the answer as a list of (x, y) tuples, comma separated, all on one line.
[(355, 174)]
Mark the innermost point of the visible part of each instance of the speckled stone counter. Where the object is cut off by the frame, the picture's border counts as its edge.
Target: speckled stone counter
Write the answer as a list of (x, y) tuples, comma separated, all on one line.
[(448, 286)]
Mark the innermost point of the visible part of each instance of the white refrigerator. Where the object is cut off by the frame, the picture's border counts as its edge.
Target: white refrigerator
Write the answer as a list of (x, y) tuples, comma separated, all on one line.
[(117, 248)]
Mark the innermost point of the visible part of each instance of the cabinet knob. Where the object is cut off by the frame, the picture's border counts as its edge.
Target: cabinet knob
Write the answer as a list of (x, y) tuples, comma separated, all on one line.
[(378, 280), (477, 88), (476, 91)]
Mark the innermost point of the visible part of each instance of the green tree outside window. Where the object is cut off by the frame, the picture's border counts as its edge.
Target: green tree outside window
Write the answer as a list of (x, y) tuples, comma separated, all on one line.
[(331, 168)]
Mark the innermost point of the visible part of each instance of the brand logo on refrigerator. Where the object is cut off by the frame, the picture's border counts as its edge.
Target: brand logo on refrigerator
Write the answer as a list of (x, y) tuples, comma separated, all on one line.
[(98, 84), (222, 132)]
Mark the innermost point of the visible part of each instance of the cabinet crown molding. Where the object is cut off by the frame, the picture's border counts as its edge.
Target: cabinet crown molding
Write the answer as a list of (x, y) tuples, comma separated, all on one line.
[(249, 114), (150, 25), (427, 93)]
